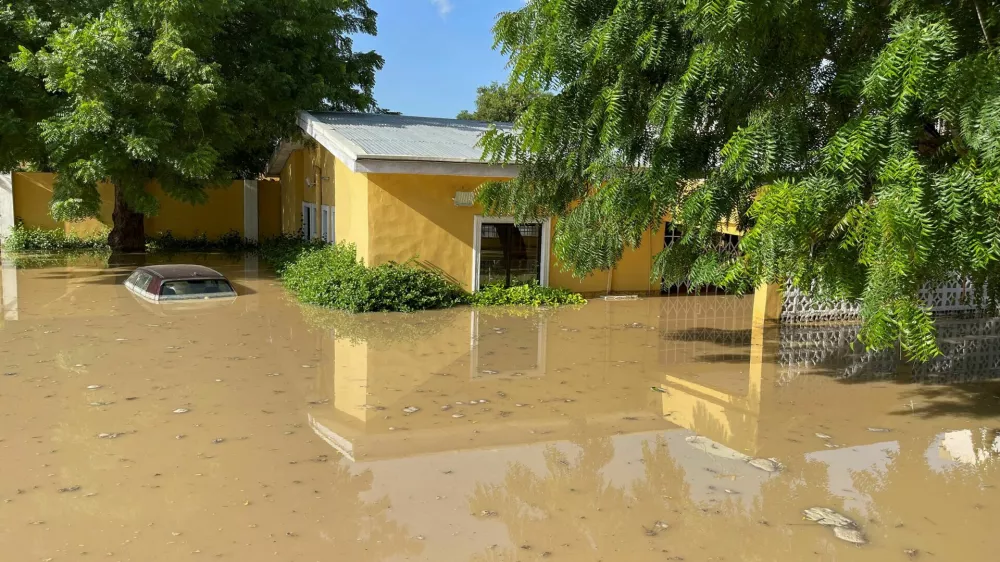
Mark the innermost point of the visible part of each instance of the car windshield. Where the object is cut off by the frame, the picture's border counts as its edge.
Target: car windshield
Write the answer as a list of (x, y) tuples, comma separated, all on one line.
[(196, 288)]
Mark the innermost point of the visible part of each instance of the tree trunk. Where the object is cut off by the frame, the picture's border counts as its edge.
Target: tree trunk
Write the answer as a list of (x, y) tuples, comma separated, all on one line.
[(128, 233)]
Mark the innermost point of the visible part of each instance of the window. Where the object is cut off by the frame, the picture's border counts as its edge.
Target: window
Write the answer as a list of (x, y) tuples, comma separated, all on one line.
[(196, 288), (309, 221), (509, 254)]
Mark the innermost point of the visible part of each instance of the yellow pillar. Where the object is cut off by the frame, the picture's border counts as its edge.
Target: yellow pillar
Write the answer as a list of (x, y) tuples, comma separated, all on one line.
[(767, 300)]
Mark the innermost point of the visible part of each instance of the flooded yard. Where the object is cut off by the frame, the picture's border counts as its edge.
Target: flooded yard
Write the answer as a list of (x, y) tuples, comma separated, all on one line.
[(620, 431)]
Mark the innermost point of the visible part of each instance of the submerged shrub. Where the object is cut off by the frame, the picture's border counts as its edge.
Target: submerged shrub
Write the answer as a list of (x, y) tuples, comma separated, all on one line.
[(33, 239), (525, 295), (333, 277), (281, 251)]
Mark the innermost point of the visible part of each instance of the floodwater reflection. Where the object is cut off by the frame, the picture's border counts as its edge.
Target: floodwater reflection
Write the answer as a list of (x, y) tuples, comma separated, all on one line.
[(262, 430)]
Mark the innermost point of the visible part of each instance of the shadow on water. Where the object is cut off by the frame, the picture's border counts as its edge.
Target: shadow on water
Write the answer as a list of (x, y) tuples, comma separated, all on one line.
[(964, 379)]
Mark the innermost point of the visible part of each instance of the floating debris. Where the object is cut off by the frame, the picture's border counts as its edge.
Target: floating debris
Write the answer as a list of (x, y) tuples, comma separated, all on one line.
[(458, 415), (101, 403), (488, 513), (844, 528), (879, 430), (94, 387), (69, 489), (411, 409), (109, 435), (824, 436), (850, 535), (828, 517), (911, 552), (767, 465), (489, 372), (181, 411), (10, 374), (658, 389), (218, 440), (446, 407)]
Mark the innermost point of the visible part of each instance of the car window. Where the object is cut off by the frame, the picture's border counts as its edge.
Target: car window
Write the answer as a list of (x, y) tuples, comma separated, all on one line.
[(195, 288), (139, 280)]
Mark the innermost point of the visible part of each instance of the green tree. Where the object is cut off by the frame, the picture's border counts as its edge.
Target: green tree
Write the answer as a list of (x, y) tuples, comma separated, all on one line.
[(191, 93), (856, 142), (500, 102)]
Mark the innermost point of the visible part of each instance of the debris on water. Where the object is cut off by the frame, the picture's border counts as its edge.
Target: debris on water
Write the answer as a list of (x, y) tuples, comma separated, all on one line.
[(69, 489), (488, 513), (94, 387), (828, 517), (218, 440), (411, 409), (446, 407), (181, 411), (101, 403), (501, 394), (10, 374), (459, 403), (180, 436), (489, 372), (658, 389), (844, 528), (911, 552), (420, 537), (519, 405), (850, 535), (767, 465), (716, 449), (458, 415), (824, 436), (132, 398), (879, 430), (109, 435)]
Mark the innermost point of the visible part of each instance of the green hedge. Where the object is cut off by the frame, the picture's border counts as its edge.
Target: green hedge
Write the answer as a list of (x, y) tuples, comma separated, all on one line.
[(333, 277), (525, 295), (33, 239)]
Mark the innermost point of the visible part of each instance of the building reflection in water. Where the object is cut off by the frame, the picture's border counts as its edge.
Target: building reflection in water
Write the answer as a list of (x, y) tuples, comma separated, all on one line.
[(538, 418)]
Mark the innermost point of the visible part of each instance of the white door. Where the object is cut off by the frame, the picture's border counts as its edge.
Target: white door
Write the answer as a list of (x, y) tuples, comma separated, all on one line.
[(324, 222), (309, 221)]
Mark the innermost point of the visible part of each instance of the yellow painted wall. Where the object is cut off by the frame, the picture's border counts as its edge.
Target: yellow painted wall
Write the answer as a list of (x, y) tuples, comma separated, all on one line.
[(268, 208), (415, 216), (292, 185), (32, 193), (222, 213), (352, 201)]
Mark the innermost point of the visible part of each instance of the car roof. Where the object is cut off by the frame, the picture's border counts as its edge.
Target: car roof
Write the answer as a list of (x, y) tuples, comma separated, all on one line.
[(182, 271)]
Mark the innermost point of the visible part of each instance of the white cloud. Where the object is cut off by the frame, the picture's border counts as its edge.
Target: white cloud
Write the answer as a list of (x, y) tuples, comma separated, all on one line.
[(443, 6)]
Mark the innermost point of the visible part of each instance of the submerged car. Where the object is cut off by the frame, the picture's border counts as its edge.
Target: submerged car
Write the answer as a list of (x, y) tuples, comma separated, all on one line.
[(168, 283)]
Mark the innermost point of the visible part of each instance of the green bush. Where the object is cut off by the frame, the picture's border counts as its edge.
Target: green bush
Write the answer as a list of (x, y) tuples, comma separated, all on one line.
[(33, 239), (333, 277), (281, 251), (525, 295), (165, 242)]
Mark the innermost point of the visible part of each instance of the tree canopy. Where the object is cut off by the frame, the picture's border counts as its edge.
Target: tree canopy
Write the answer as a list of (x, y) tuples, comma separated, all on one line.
[(192, 93), (500, 102), (855, 142)]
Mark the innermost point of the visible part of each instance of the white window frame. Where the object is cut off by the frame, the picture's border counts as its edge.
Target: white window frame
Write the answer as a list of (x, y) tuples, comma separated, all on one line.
[(310, 210), (543, 273), (326, 230)]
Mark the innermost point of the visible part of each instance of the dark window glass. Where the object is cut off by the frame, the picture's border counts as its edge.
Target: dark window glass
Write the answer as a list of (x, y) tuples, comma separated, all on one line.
[(510, 254), (195, 287)]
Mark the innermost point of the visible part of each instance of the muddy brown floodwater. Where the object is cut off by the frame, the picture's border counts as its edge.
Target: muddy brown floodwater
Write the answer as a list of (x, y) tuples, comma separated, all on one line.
[(619, 431)]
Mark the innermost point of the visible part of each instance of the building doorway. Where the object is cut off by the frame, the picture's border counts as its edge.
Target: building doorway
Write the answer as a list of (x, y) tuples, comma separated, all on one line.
[(510, 254)]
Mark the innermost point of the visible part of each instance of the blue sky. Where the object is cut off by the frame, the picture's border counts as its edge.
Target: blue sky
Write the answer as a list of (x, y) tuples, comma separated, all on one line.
[(437, 52)]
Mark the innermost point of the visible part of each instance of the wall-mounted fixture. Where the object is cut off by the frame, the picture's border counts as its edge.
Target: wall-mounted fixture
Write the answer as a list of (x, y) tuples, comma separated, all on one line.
[(464, 198)]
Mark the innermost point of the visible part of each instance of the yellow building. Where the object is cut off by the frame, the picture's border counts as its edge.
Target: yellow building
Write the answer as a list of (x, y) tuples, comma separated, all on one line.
[(402, 188)]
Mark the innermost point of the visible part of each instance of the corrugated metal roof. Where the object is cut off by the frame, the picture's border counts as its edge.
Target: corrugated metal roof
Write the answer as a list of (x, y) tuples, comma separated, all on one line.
[(403, 137)]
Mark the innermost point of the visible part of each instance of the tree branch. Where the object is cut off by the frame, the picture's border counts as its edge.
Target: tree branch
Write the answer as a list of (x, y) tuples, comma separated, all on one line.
[(981, 24)]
